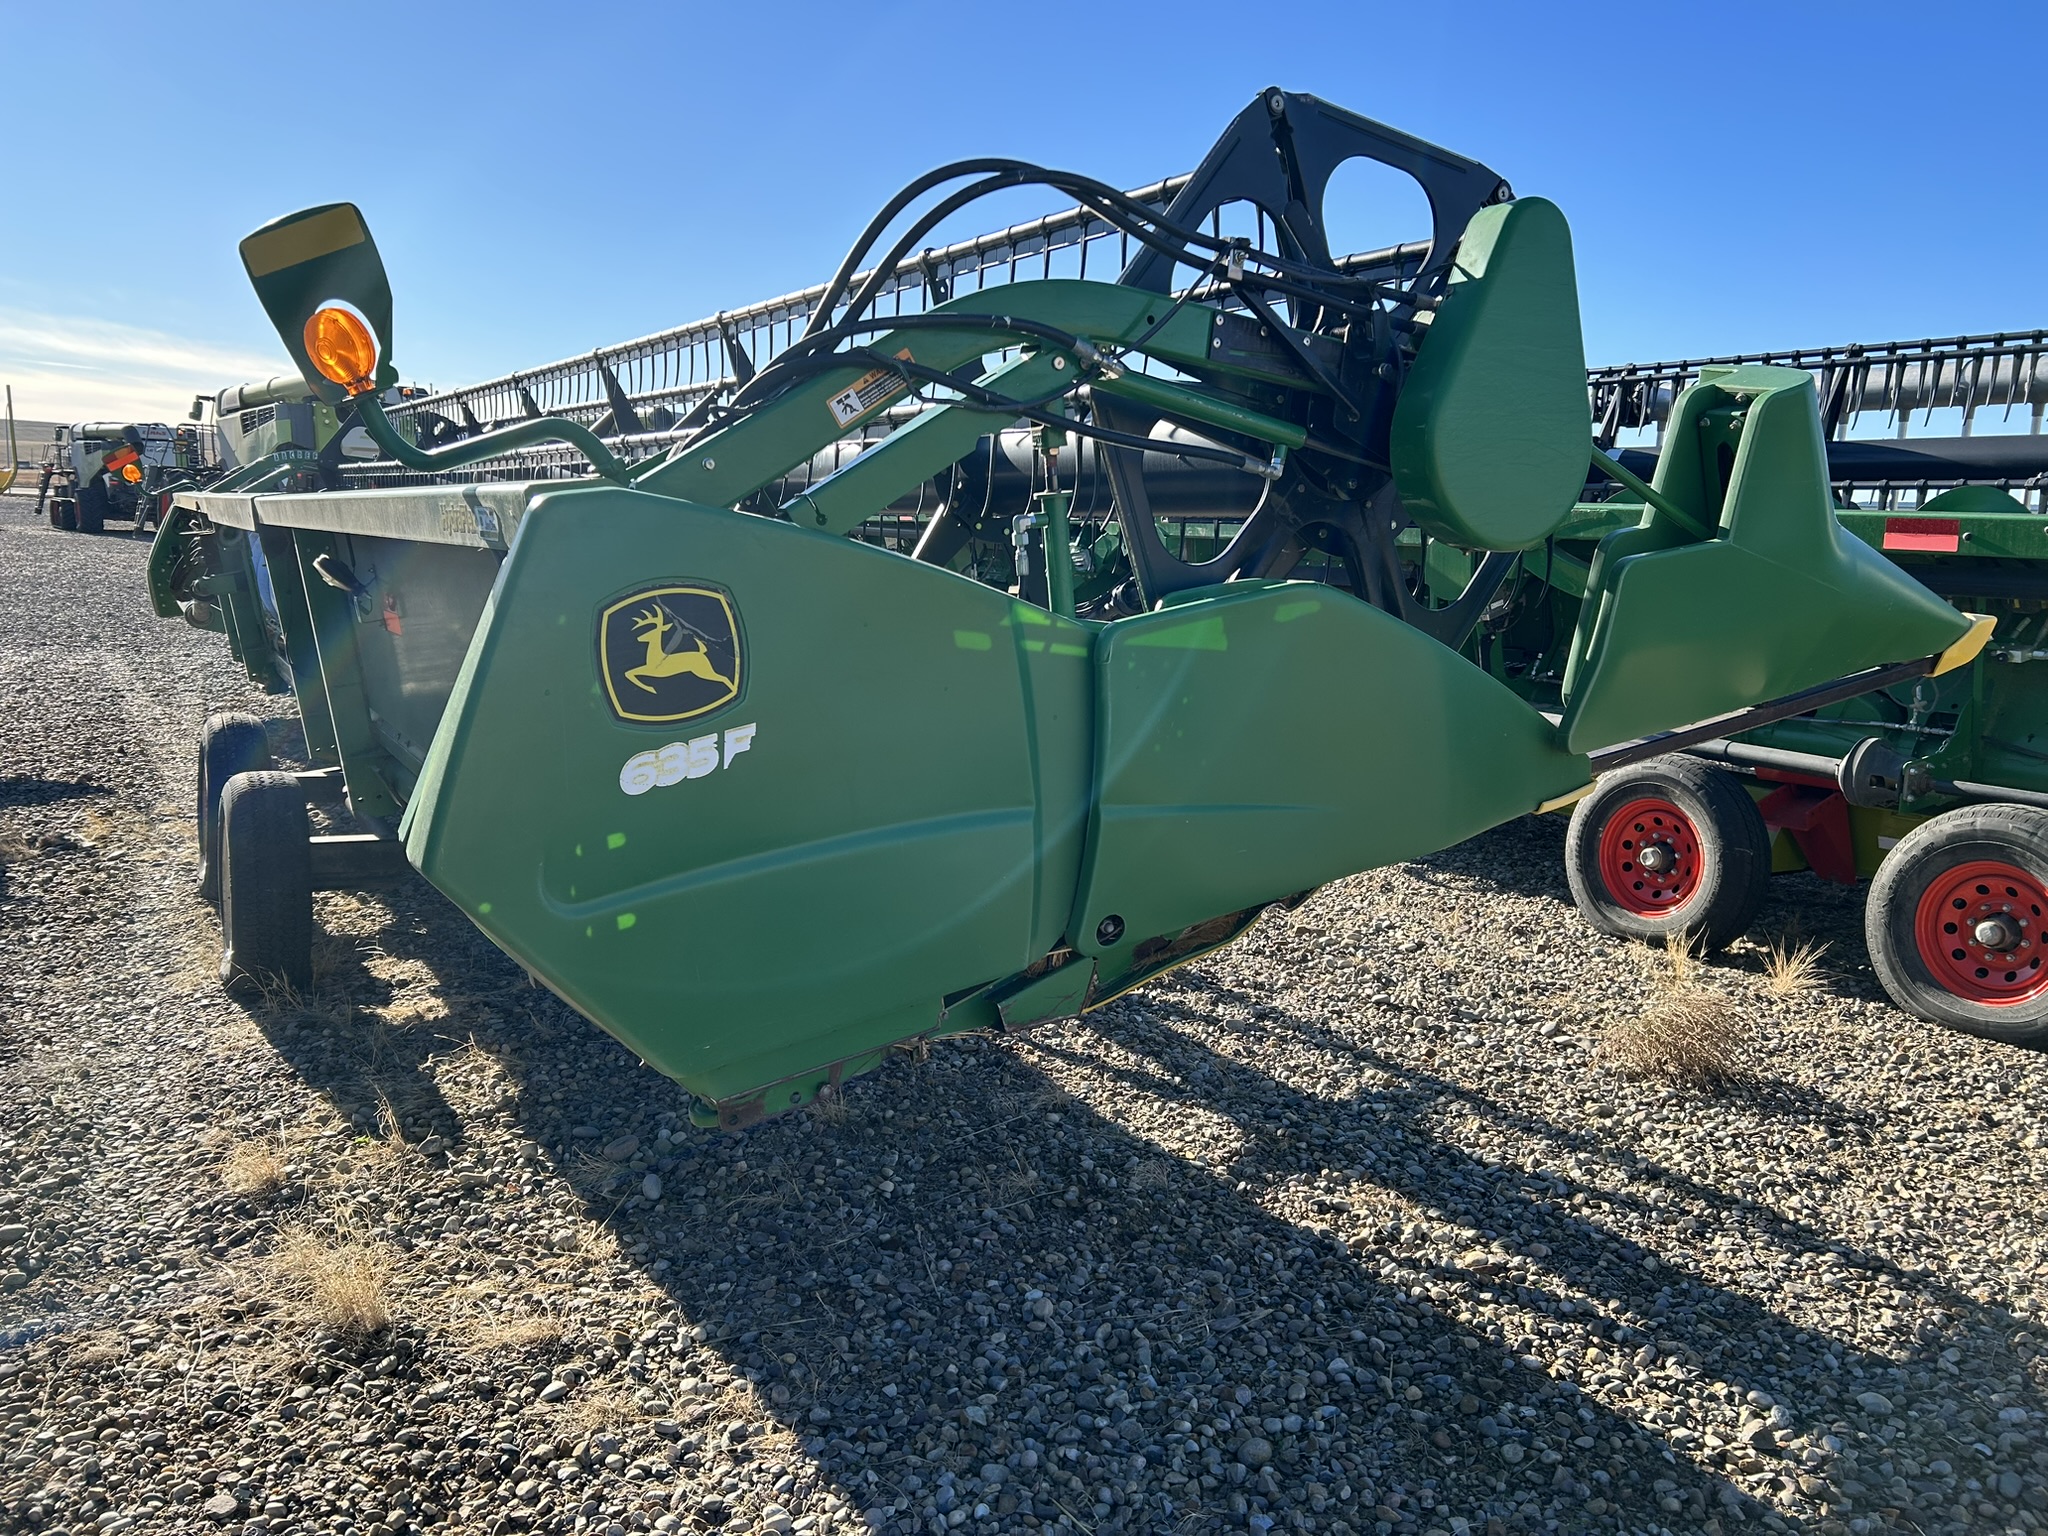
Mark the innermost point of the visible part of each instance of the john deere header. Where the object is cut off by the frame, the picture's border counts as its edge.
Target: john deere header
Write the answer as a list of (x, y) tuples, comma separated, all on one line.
[(763, 797)]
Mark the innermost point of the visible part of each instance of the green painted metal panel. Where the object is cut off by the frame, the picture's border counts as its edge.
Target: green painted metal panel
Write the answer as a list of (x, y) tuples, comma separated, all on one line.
[(922, 447), (1058, 994), (1677, 629), (887, 812), (295, 623), (1252, 744), (411, 630), (375, 788), (1491, 433), (722, 467)]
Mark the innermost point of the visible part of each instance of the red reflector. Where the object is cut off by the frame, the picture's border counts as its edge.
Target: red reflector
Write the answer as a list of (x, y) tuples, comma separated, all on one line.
[(1936, 535)]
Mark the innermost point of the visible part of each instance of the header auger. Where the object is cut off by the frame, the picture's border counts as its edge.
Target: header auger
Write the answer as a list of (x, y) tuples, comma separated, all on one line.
[(1028, 762)]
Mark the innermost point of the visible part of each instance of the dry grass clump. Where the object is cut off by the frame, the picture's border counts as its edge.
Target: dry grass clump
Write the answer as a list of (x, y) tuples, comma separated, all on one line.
[(1693, 1037), (1792, 970), (253, 1168), (277, 1001), (101, 1347), (830, 1105), (1152, 1173), (346, 1282), (586, 1413), (1686, 1033), (1683, 953), (15, 849), (522, 1333)]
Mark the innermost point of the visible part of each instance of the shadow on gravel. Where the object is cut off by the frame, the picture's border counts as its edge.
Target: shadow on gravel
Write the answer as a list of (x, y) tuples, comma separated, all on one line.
[(1044, 1303), (1109, 1308), (965, 1287), (21, 790)]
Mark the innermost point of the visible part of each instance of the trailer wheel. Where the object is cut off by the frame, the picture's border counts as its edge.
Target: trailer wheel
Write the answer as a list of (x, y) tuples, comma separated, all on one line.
[(92, 508), (229, 744), (266, 883), (1669, 846), (1957, 922), (63, 514)]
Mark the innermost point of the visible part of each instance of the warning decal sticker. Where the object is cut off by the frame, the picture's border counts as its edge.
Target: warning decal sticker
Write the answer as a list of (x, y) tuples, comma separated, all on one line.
[(867, 392)]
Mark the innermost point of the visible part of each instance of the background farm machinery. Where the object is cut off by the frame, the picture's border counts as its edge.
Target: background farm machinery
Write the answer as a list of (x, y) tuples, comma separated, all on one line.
[(99, 470), (1937, 787), (882, 681), (130, 472)]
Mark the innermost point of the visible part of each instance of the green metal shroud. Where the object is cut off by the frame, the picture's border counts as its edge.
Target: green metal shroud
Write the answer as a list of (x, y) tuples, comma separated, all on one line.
[(1786, 594), (890, 813), (914, 803), (763, 800)]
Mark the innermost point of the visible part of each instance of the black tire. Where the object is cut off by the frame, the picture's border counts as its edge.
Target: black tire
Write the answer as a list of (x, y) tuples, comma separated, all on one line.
[(64, 514), (1946, 975), (266, 883), (1720, 848), (228, 744), (92, 507)]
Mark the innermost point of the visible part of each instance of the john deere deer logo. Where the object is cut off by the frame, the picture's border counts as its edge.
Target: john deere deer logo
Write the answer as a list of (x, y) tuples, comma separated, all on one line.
[(669, 653), (653, 627)]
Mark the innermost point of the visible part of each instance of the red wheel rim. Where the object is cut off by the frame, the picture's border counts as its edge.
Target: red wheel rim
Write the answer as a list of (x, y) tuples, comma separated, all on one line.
[(1650, 857), (1979, 926)]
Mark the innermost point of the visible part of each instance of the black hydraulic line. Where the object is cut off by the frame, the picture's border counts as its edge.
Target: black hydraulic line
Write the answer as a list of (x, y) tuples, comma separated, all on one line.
[(912, 373), (1737, 721), (1742, 754), (1244, 461), (1031, 410), (1086, 354), (1114, 207), (885, 267), (1966, 789), (1085, 188), (1453, 624)]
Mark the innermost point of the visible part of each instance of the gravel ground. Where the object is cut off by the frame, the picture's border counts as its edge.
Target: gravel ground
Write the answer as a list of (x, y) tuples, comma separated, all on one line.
[(1346, 1228)]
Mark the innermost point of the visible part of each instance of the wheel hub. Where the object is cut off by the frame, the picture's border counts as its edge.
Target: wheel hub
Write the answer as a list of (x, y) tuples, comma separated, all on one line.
[(1979, 930), (1998, 933), (1649, 857)]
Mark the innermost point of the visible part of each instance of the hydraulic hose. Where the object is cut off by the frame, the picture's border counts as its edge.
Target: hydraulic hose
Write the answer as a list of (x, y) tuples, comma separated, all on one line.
[(1109, 203)]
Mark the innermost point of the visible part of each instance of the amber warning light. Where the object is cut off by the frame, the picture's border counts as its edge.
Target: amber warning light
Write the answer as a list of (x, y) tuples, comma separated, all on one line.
[(342, 346)]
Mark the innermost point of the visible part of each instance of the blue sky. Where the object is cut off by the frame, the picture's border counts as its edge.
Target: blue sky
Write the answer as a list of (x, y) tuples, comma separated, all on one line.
[(544, 179)]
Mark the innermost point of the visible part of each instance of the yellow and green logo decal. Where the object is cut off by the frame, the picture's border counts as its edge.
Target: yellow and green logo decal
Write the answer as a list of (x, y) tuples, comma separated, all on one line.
[(670, 653)]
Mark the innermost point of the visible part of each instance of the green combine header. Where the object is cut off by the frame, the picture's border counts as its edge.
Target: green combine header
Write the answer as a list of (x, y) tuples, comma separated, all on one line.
[(766, 775)]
